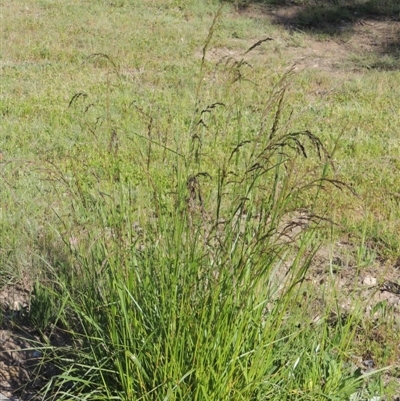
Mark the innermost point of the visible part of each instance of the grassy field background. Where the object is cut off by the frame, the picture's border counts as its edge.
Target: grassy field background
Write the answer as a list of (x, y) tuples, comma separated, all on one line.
[(202, 202)]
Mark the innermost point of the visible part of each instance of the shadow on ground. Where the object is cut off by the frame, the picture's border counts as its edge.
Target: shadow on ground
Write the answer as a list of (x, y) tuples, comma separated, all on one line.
[(377, 21), (328, 17)]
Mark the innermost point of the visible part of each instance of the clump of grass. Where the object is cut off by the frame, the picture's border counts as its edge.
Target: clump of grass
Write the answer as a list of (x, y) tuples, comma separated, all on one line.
[(385, 62), (194, 292)]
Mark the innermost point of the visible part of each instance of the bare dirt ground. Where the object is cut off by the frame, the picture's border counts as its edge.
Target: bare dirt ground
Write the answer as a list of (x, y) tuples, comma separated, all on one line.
[(375, 285), (349, 46), (347, 40), (17, 359), (23, 366)]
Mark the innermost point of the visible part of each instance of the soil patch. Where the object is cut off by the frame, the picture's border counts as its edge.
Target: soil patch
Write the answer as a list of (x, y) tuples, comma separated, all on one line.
[(344, 44), (25, 354)]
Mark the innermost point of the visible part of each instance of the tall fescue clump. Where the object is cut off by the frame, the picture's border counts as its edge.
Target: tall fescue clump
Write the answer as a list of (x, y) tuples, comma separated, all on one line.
[(188, 252)]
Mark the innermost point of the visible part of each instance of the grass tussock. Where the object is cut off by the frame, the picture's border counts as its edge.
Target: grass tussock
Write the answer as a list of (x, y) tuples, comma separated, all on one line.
[(195, 291)]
